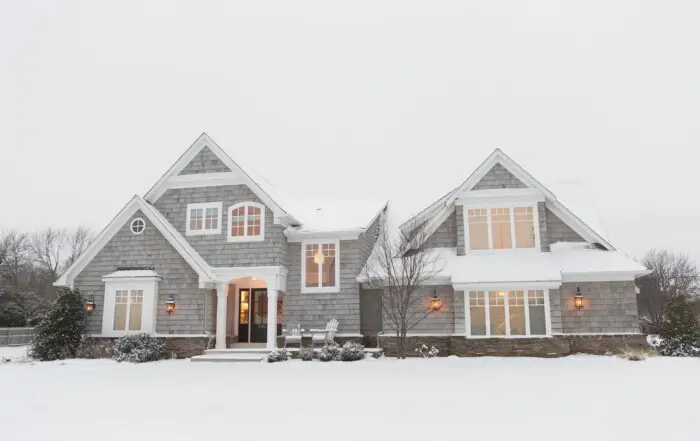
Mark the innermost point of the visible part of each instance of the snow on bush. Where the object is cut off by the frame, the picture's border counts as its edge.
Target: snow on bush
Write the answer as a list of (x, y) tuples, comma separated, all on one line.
[(139, 348), (306, 354), (680, 330), (426, 352), (59, 332), (88, 348), (330, 352), (352, 351), (277, 355)]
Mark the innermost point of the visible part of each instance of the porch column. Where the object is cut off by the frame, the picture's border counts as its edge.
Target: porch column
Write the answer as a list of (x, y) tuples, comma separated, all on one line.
[(271, 318), (221, 306)]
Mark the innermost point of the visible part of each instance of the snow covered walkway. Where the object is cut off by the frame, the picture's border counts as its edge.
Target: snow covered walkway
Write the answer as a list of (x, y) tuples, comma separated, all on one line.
[(518, 399)]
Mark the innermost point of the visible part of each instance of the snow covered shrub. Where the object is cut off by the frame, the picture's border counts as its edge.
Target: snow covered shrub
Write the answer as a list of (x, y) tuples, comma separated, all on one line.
[(306, 354), (60, 330), (426, 352), (330, 352), (88, 348), (277, 355), (680, 330), (352, 351), (139, 348)]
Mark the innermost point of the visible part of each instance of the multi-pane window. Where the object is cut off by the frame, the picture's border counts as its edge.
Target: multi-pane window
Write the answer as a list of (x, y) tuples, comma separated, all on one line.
[(204, 218), (128, 309), (506, 313), (320, 265), (247, 221), (501, 228)]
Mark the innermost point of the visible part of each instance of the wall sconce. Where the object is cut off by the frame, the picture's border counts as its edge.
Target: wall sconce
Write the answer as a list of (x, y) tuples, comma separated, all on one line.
[(435, 302), (170, 306), (578, 298), (90, 304)]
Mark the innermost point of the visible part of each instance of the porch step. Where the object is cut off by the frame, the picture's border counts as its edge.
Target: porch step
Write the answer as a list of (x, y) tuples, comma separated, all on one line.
[(229, 358), (256, 351)]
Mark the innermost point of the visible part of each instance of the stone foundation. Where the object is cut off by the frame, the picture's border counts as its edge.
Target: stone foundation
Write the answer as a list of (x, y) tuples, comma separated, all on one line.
[(177, 347), (306, 341), (557, 346)]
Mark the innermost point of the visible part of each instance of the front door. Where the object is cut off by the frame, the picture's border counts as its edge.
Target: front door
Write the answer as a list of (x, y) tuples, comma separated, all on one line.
[(252, 323)]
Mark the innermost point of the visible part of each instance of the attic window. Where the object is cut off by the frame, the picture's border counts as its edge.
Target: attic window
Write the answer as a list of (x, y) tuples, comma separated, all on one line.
[(138, 225), (246, 222)]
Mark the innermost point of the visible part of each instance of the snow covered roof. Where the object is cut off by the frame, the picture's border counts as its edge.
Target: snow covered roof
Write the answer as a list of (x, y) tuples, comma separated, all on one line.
[(576, 259)]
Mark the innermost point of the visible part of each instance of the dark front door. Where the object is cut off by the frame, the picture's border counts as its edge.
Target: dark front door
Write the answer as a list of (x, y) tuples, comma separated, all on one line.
[(252, 316)]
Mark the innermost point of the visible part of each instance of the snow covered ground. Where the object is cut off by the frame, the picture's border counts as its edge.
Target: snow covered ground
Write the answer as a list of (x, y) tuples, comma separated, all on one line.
[(518, 399)]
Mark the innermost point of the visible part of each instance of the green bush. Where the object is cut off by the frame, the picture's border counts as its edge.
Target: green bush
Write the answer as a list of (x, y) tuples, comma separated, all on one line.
[(680, 330), (60, 330)]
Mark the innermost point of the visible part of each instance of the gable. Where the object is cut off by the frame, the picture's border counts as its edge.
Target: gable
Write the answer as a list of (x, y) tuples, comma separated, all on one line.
[(445, 236), (560, 231), (498, 177), (205, 162)]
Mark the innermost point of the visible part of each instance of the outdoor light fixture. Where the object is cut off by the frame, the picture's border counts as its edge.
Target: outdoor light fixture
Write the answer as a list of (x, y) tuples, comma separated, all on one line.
[(170, 306), (435, 302), (90, 304), (578, 298)]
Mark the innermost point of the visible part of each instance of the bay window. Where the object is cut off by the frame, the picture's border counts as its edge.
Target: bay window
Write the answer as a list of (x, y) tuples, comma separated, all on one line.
[(130, 302), (501, 228), (507, 313), (319, 266), (246, 222)]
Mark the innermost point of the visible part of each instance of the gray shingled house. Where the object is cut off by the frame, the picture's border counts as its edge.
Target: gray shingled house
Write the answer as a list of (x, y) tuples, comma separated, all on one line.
[(522, 275)]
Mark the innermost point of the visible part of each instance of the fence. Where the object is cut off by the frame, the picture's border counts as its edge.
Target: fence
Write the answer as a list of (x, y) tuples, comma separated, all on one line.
[(16, 336)]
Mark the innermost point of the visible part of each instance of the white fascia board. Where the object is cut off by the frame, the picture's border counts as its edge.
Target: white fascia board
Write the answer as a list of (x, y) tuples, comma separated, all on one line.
[(427, 212), (603, 276), (496, 197), (540, 284), (235, 272), (435, 281), (203, 180), (168, 231), (294, 235)]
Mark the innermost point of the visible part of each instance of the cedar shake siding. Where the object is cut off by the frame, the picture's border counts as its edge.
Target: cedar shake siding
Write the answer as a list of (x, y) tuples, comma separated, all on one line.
[(215, 248), (558, 231), (205, 162), (149, 249), (446, 234), (498, 177)]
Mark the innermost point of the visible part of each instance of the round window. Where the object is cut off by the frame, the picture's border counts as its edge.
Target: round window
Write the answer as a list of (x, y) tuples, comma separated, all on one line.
[(137, 226)]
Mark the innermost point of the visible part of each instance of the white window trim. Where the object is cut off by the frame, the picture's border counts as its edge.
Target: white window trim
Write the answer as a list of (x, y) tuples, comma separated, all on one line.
[(149, 285), (319, 289), (203, 206), (547, 314), (511, 206), (246, 238), (131, 226)]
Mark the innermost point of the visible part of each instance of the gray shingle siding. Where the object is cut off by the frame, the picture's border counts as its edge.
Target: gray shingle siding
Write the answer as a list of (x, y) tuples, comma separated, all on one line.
[(215, 248), (498, 177), (610, 307), (436, 322), (459, 220), (205, 162), (544, 236), (558, 231), (446, 234), (179, 280)]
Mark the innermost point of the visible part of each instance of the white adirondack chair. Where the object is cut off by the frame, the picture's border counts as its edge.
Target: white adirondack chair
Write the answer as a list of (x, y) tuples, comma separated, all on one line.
[(292, 334), (324, 336)]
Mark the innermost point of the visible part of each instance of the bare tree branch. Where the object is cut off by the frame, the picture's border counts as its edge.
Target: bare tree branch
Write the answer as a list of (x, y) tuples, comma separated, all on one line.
[(46, 248), (77, 241), (15, 259)]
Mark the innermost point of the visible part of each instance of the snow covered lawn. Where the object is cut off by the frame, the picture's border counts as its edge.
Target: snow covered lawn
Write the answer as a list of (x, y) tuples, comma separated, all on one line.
[(519, 399)]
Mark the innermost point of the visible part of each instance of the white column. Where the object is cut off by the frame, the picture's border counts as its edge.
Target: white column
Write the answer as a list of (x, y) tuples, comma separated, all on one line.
[(271, 318), (221, 298)]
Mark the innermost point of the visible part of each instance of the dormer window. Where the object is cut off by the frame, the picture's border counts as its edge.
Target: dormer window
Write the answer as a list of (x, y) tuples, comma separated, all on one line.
[(500, 228), (203, 218), (246, 222)]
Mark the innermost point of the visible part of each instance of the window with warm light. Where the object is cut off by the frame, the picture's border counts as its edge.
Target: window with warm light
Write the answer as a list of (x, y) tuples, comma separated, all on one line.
[(246, 222), (204, 218), (128, 307), (501, 228), (507, 313), (320, 266)]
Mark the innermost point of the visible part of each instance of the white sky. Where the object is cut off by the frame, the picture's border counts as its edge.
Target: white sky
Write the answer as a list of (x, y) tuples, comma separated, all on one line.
[(354, 100)]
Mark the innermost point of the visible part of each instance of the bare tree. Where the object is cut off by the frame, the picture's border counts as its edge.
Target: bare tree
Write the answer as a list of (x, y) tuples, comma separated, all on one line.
[(77, 240), (400, 267), (15, 260), (46, 247), (673, 274)]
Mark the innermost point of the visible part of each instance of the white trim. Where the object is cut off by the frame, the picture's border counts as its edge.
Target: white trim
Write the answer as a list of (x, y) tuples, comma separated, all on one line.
[(511, 207), (320, 289), (506, 300), (500, 197), (178, 242), (280, 215), (162, 335), (149, 304), (576, 224), (596, 333), (300, 235), (199, 180), (611, 276), (496, 286), (131, 226), (203, 206), (245, 237)]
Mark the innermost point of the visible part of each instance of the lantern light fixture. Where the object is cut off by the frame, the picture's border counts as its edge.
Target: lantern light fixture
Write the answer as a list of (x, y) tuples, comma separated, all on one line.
[(170, 306), (578, 298), (435, 301), (90, 304)]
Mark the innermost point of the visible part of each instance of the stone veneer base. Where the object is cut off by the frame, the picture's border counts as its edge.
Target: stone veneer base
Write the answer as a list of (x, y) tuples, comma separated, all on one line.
[(177, 347), (556, 346)]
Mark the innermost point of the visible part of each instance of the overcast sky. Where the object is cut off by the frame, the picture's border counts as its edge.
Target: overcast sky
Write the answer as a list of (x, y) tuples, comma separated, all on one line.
[(352, 100)]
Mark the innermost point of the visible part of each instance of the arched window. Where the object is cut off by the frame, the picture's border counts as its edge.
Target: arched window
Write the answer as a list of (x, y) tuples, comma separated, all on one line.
[(246, 222)]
